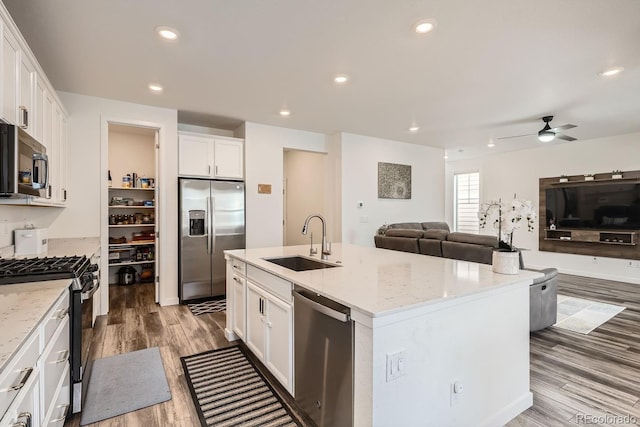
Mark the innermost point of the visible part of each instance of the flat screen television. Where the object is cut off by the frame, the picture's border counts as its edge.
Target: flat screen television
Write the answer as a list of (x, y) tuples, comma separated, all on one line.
[(594, 206)]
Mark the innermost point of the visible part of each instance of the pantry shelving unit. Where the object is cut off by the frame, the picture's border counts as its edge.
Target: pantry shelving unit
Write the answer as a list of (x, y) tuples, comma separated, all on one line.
[(131, 210)]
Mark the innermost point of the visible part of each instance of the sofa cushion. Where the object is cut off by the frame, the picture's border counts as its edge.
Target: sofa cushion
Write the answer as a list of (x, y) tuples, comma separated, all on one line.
[(436, 234), (430, 247), (435, 225), (475, 239), (403, 244), (467, 252), (413, 225), (404, 232)]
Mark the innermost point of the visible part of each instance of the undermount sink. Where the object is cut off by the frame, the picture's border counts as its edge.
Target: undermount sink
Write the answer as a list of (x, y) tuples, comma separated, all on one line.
[(298, 263)]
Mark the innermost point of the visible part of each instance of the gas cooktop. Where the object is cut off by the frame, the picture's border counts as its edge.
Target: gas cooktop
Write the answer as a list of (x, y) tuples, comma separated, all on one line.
[(41, 269)]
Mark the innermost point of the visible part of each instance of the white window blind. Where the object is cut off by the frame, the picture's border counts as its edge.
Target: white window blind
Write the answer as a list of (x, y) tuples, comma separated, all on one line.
[(467, 202)]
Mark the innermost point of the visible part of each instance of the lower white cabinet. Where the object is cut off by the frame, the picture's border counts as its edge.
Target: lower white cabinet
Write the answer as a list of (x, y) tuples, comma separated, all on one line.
[(34, 386), (269, 332), (238, 301)]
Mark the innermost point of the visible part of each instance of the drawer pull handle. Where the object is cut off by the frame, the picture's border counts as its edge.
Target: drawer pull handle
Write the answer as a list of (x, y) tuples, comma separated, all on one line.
[(62, 418), (235, 279), (64, 358), (23, 381), (27, 423), (62, 313), (237, 267)]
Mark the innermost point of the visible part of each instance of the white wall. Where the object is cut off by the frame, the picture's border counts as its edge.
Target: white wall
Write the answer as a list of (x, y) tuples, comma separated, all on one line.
[(82, 217), (360, 157), (13, 217), (264, 148), (504, 174)]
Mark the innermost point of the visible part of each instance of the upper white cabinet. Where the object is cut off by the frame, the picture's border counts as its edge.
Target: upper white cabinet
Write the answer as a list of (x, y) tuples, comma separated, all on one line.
[(210, 156), (28, 100), (27, 77), (10, 75)]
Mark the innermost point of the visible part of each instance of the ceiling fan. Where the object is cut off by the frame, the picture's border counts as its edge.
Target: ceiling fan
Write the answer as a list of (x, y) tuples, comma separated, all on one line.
[(547, 133)]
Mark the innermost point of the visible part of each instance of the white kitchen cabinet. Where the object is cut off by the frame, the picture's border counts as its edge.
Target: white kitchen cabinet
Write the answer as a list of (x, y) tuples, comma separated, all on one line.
[(26, 407), (210, 157), (239, 301), (36, 381), (28, 100), (26, 80), (269, 333), (10, 73)]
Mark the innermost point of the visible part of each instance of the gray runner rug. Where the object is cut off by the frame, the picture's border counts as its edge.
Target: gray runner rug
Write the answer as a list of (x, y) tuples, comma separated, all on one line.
[(124, 383), (228, 391)]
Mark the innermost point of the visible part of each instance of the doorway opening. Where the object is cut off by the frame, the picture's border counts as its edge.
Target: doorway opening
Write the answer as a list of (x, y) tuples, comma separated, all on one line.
[(130, 208), (305, 193)]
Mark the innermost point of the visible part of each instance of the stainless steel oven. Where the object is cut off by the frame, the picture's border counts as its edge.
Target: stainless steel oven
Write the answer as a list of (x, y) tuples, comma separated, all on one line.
[(82, 333)]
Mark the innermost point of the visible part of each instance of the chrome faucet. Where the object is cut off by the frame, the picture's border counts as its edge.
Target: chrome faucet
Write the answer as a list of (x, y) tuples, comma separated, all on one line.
[(326, 250)]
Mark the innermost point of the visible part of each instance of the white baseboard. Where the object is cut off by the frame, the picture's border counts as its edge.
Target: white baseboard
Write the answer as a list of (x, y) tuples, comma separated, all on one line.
[(511, 411), (169, 301)]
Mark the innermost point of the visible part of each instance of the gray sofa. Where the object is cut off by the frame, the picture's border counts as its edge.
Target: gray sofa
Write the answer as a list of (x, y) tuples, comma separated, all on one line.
[(435, 239)]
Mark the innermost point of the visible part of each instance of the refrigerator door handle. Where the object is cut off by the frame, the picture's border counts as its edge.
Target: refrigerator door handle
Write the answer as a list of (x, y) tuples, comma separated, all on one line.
[(212, 230), (208, 214)]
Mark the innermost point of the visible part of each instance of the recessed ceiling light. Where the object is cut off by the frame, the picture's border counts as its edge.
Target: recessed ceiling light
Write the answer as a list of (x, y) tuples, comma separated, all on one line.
[(424, 26), (341, 78), (155, 88), (167, 33), (611, 72), (414, 128), (285, 113)]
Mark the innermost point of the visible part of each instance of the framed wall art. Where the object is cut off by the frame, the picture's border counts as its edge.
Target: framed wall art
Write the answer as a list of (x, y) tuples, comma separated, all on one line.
[(394, 181)]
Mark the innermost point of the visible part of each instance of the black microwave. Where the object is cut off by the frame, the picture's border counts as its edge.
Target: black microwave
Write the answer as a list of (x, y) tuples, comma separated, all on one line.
[(24, 166)]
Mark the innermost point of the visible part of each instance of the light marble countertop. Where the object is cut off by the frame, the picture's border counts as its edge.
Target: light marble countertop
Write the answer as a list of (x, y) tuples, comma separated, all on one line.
[(58, 247), (22, 307), (379, 282), (73, 246)]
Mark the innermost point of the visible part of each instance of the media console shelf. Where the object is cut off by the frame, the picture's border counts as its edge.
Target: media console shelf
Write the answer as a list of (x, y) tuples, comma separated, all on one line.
[(616, 237), (596, 217)]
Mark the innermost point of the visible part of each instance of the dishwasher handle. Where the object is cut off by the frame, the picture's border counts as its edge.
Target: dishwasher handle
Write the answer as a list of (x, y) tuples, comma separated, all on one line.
[(315, 302)]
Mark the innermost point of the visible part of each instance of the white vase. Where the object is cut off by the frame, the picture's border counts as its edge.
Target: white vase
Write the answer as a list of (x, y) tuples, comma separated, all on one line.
[(504, 262)]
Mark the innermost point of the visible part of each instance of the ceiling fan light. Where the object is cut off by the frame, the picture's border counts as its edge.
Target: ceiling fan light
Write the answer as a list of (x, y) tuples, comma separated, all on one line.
[(546, 136)]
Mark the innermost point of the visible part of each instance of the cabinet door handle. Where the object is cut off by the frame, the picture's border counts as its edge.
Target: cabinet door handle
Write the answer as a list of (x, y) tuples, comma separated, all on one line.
[(208, 169), (62, 313), (216, 169), (27, 423), (235, 279), (24, 117), (63, 417), (23, 381), (235, 266), (64, 358)]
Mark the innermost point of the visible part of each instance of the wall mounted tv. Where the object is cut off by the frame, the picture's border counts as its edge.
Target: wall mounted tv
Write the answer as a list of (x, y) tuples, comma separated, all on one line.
[(601, 205)]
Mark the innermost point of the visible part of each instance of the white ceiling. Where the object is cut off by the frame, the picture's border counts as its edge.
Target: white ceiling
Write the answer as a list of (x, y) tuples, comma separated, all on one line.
[(491, 68)]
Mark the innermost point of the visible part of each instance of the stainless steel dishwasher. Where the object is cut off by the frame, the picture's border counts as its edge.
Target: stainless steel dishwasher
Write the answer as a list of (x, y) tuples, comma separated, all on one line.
[(323, 343)]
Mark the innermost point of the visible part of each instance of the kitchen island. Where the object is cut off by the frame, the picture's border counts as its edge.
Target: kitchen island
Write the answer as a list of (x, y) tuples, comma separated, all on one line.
[(453, 322)]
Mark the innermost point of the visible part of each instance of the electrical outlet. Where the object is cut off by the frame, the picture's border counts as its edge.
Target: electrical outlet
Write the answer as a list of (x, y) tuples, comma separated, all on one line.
[(595, 260), (456, 391), (396, 365), (630, 264)]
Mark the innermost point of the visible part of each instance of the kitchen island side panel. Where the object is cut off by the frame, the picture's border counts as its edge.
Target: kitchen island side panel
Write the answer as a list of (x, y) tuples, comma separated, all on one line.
[(483, 344)]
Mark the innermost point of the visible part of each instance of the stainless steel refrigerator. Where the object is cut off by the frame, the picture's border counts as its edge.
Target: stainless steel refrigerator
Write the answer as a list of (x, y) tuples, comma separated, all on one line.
[(211, 221)]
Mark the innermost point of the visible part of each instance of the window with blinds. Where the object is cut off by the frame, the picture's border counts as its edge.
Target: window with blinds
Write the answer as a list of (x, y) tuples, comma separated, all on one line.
[(467, 202)]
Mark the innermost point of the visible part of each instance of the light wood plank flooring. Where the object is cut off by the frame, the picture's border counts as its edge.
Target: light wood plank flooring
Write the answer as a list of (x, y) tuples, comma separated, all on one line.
[(589, 379), (572, 375)]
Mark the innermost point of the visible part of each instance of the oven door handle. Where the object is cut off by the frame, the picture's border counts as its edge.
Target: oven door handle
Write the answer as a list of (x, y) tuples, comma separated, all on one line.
[(92, 290)]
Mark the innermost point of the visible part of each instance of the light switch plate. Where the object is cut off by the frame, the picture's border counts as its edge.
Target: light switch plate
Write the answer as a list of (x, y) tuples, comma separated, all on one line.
[(396, 365)]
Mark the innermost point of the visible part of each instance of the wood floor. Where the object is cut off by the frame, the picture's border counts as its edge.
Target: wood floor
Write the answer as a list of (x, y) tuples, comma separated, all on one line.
[(589, 379), (576, 379)]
